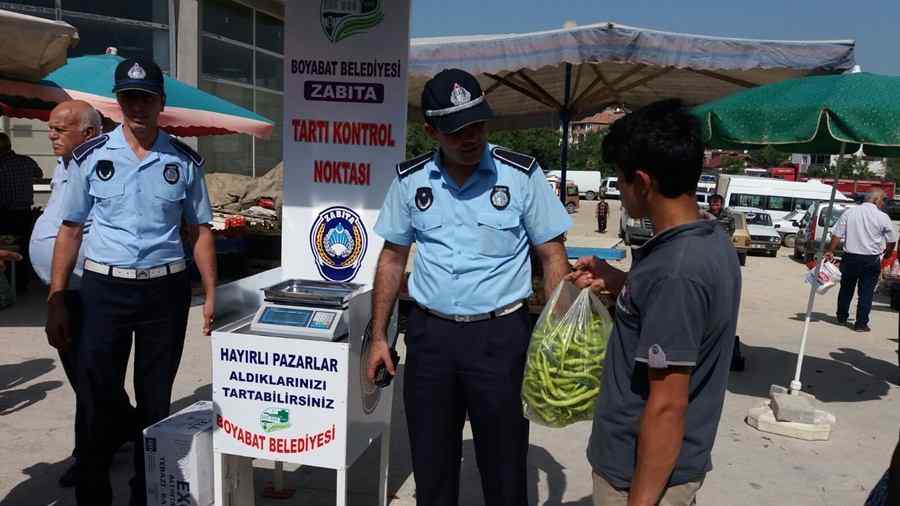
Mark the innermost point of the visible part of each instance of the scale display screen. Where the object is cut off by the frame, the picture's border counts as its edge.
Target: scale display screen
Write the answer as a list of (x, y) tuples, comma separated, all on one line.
[(286, 316)]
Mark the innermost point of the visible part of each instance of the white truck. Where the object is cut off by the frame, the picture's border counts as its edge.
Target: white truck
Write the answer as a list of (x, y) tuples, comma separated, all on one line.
[(588, 181)]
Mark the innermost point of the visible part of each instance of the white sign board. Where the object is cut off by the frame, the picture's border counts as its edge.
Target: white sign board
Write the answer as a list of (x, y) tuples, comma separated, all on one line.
[(281, 399), (344, 131)]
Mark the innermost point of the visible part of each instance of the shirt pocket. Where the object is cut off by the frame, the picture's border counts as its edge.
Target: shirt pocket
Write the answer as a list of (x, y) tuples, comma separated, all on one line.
[(169, 198), (498, 233), (426, 223), (107, 195)]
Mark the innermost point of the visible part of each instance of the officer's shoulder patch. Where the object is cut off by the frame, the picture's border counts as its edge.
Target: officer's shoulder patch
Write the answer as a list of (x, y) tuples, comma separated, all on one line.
[(187, 151), (84, 149), (518, 161), (413, 164)]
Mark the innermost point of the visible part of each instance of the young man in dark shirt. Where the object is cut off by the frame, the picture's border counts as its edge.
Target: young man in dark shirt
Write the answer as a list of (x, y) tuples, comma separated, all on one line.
[(668, 356)]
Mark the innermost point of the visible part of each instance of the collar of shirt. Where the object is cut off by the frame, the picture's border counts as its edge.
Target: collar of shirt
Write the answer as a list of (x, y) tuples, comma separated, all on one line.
[(160, 145), (699, 227), (485, 168), (8, 154)]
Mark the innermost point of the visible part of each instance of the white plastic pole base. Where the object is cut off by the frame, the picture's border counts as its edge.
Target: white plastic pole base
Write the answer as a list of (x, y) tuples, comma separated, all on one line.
[(796, 387)]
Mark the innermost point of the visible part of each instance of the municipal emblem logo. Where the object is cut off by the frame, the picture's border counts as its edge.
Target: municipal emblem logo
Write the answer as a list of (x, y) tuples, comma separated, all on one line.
[(342, 18), (171, 173), (105, 170), (460, 95), (137, 72), (424, 198), (338, 240), (274, 419), (500, 197)]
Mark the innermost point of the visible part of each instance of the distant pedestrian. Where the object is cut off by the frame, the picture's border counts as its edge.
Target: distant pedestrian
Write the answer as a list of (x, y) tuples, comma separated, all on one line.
[(602, 212), (869, 236), (722, 215)]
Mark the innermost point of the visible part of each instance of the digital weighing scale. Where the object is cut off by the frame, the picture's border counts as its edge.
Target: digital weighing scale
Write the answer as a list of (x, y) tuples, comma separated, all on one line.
[(307, 308)]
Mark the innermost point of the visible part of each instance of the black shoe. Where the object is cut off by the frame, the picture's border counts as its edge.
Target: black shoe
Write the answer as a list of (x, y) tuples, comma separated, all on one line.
[(842, 320), (70, 477), (862, 328)]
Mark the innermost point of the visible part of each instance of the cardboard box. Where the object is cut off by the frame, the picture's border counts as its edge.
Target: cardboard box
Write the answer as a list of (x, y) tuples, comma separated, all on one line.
[(178, 457)]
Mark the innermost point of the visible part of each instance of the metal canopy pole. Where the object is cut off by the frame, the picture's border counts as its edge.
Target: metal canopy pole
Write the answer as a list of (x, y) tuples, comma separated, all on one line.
[(565, 119), (796, 385)]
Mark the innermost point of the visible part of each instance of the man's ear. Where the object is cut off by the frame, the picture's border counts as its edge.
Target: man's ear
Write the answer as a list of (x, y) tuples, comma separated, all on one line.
[(643, 182)]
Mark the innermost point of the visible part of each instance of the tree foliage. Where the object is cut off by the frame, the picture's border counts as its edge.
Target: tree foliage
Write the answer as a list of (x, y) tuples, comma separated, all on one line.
[(541, 143), (767, 157), (892, 169), (733, 165)]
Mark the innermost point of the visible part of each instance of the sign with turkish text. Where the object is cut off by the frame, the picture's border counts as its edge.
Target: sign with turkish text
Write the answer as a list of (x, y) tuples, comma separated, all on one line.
[(345, 130)]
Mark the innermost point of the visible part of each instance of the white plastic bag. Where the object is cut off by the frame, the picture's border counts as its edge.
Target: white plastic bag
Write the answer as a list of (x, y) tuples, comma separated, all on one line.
[(829, 275), (565, 358)]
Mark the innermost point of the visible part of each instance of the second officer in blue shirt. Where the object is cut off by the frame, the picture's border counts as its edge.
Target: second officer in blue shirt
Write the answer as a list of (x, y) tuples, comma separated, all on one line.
[(140, 184), (474, 211)]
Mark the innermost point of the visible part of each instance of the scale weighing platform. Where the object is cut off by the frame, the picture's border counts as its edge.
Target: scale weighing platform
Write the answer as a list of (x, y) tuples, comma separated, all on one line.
[(307, 308), (290, 384)]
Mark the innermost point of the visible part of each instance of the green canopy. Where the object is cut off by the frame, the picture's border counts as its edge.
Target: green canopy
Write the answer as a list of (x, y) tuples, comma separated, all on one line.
[(809, 115)]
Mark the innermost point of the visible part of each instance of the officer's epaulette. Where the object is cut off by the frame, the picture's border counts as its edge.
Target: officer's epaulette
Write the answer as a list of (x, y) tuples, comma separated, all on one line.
[(187, 151), (519, 161), (413, 164), (84, 149)]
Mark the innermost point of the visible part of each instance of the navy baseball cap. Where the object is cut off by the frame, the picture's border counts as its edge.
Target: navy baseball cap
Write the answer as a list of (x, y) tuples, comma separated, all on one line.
[(453, 99), (139, 74)]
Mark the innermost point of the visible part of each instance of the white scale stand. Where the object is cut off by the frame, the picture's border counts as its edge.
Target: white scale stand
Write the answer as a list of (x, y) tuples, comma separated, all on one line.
[(310, 331)]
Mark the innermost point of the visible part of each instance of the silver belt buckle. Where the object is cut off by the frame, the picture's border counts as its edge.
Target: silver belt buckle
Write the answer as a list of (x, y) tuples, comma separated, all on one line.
[(464, 318)]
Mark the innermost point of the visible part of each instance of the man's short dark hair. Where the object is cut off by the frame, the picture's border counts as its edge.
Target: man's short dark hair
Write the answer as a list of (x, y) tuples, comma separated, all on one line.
[(717, 198), (662, 139)]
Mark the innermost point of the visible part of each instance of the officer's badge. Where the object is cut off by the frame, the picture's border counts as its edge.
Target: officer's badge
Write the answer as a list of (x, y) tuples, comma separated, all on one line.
[(459, 95), (171, 173), (424, 198), (137, 72), (105, 170), (500, 197)]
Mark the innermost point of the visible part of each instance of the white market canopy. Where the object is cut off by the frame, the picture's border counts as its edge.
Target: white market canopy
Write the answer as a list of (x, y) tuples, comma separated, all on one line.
[(32, 46), (612, 64)]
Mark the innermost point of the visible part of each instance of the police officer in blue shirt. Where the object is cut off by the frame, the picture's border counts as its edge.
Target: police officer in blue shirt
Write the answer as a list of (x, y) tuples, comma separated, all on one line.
[(137, 183), (474, 211), (71, 124)]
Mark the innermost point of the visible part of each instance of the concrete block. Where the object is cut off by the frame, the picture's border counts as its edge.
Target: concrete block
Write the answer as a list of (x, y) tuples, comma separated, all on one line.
[(762, 418), (793, 408), (778, 389)]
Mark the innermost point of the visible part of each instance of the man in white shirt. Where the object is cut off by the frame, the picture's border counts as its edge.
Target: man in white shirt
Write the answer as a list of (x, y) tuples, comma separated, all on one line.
[(71, 124), (868, 236)]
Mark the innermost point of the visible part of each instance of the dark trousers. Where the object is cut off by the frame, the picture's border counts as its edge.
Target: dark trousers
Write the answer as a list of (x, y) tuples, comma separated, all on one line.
[(155, 311), (457, 368), (861, 271), (68, 358), (601, 223)]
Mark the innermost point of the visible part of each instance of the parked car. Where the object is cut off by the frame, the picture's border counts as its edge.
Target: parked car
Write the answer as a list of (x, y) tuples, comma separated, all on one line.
[(703, 199), (633, 231), (811, 229), (610, 185), (789, 226), (763, 236), (572, 200)]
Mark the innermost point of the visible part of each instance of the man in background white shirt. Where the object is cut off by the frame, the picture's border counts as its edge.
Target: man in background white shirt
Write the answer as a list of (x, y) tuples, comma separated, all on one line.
[(868, 236)]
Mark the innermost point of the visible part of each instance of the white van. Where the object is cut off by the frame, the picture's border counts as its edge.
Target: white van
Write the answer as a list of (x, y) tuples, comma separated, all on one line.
[(611, 186), (588, 181), (776, 196)]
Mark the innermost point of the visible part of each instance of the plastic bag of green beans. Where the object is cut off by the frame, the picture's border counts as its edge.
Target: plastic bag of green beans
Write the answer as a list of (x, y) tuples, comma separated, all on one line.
[(565, 358)]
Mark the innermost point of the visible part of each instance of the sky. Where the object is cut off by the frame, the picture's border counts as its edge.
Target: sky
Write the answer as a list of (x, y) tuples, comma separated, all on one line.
[(873, 24)]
